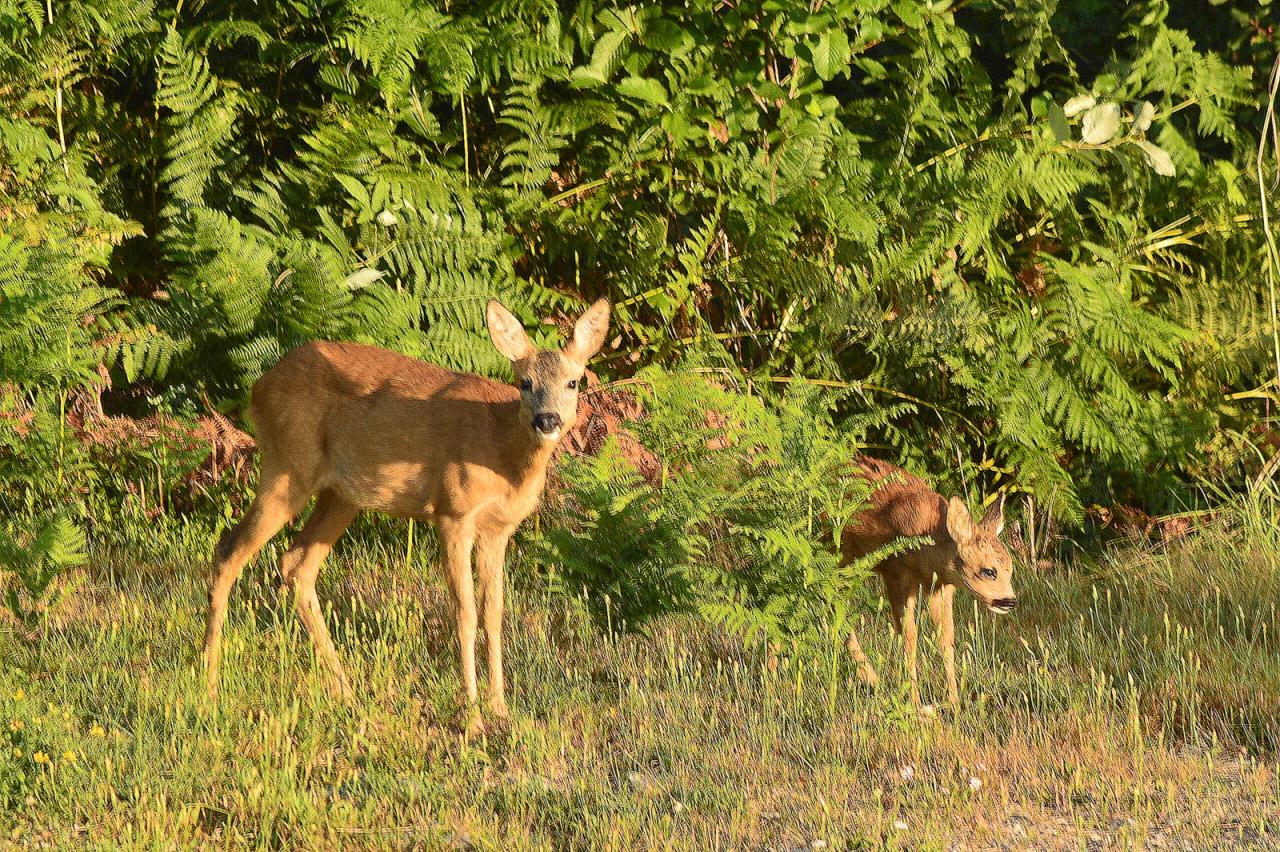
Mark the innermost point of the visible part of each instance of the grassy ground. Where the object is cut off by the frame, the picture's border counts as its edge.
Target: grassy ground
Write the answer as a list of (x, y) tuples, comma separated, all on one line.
[(1132, 701)]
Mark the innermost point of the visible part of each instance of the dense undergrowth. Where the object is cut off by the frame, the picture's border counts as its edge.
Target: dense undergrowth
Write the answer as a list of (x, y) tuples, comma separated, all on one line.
[(1028, 259), (1030, 229)]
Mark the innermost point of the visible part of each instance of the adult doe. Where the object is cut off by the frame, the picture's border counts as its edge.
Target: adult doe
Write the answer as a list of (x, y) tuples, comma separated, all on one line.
[(359, 427), (962, 553)]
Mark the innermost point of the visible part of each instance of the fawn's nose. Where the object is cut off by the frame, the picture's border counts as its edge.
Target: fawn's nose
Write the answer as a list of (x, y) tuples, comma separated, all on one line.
[(1005, 604), (547, 422)]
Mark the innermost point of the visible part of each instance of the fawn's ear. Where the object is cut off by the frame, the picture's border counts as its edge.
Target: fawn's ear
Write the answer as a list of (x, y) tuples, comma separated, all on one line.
[(588, 333), (993, 518), (959, 523), (506, 332)]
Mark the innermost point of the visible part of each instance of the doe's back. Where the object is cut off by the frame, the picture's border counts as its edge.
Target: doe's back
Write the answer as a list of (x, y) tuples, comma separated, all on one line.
[(330, 413)]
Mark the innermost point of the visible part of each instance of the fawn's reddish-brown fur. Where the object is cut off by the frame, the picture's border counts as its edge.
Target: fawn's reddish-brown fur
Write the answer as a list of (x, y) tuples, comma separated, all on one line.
[(359, 427), (962, 553)]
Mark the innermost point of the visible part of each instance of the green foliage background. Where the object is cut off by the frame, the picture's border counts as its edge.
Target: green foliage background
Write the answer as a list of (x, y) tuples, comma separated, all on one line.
[(884, 195)]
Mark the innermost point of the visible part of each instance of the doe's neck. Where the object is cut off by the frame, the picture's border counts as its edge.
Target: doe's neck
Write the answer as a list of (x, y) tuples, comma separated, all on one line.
[(527, 453)]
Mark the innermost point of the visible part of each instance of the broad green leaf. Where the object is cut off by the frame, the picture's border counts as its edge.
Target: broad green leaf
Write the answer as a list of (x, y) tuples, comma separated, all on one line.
[(831, 54), (355, 189), (667, 37), (702, 84), (643, 88), (909, 12), (585, 78), (874, 70), (869, 30), (605, 55), (1058, 123)]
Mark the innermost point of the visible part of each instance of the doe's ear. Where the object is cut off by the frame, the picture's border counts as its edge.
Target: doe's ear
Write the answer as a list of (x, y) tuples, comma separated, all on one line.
[(506, 332), (959, 523), (589, 332), (993, 518)]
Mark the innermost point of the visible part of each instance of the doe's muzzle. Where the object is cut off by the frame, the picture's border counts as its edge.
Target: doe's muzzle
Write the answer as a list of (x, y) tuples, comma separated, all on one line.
[(547, 422)]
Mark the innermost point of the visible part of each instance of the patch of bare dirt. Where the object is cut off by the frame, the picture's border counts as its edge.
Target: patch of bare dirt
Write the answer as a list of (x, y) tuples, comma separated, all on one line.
[(605, 410)]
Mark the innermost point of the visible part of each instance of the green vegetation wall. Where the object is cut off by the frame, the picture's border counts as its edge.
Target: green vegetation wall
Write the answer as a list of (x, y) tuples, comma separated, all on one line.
[(1034, 224)]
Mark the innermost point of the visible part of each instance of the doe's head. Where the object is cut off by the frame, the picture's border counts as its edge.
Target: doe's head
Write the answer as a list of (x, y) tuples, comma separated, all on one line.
[(549, 379), (984, 563)]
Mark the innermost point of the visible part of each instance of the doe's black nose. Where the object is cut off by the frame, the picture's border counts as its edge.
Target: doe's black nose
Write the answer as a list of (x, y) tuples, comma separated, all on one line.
[(547, 422)]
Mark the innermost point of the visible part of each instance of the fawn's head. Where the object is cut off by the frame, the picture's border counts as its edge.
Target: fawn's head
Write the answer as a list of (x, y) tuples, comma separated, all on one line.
[(548, 378), (983, 561)]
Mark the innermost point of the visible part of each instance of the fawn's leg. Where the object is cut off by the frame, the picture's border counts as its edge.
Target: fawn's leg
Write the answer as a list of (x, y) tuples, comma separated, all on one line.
[(491, 551), (274, 506), (301, 566), (942, 613), (904, 612), (457, 536)]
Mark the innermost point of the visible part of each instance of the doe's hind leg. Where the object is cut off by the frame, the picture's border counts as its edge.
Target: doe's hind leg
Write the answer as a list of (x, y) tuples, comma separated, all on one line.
[(276, 504), (866, 672), (301, 567)]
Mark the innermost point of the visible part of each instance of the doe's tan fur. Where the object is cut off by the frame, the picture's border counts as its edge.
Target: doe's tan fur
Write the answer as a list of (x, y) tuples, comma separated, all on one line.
[(359, 427), (962, 554)]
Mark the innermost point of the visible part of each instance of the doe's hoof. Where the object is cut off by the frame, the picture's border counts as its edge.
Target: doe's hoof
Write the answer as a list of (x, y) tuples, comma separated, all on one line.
[(475, 725), (340, 689)]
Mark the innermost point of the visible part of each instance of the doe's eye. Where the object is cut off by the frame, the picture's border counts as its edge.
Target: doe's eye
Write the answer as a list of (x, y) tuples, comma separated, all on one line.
[(573, 384), (987, 573), (526, 384)]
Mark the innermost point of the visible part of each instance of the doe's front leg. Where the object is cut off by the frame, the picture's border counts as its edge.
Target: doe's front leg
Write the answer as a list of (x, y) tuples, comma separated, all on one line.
[(491, 552), (457, 538), (866, 672)]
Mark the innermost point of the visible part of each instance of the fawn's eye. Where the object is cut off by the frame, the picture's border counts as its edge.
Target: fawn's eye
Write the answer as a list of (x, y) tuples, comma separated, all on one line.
[(526, 384), (987, 573), (573, 384)]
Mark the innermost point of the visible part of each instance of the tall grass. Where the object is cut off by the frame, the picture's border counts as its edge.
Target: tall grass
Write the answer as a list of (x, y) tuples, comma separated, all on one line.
[(1132, 701)]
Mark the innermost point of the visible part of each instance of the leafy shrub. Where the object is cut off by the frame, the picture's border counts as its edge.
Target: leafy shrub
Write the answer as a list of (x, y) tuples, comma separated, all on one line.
[(619, 542), (740, 529), (49, 352), (35, 562), (1040, 239)]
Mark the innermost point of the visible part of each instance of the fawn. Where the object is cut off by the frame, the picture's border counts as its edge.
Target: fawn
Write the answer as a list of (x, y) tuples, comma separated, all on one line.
[(961, 553), (359, 427)]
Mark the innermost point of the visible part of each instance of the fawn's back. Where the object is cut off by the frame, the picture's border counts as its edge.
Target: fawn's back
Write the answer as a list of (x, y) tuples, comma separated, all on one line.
[(901, 505), (962, 552)]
